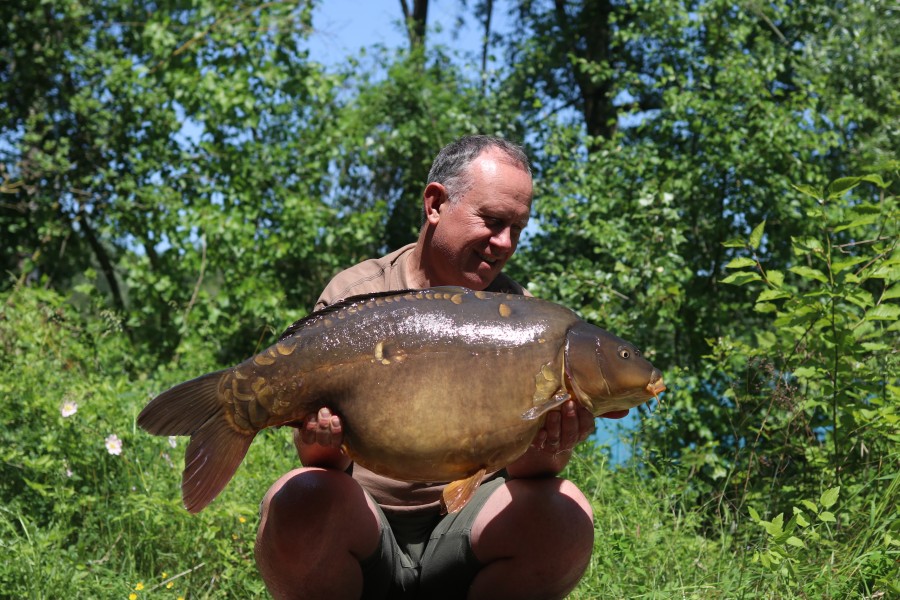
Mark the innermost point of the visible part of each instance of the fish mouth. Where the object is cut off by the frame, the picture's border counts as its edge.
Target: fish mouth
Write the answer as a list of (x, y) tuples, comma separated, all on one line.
[(656, 385)]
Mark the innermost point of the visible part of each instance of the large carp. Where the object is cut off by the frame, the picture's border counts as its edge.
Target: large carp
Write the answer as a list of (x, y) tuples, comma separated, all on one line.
[(442, 384)]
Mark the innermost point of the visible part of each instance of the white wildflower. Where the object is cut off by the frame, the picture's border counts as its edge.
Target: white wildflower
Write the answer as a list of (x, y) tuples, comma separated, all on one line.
[(114, 444), (69, 408)]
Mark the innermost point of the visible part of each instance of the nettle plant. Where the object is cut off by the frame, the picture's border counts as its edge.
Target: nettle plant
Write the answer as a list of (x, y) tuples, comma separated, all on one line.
[(784, 540), (830, 385), (835, 325)]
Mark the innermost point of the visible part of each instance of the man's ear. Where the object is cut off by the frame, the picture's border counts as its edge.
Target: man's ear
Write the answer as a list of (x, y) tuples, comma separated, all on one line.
[(435, 199)]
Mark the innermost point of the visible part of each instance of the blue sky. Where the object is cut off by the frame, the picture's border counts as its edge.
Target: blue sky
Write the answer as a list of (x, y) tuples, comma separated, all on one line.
[(342, 27)]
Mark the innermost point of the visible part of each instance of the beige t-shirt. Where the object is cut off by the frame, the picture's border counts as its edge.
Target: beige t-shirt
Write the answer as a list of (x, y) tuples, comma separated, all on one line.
[(385, 274)]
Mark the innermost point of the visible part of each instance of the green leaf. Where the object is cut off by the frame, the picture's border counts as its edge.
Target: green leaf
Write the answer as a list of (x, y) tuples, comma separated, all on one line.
[(742, 278), (860, 298), (740, 263), (889, 271), (801, 517), (839, 187), (810, 505), (767, 295), (735, 243), (808, 190), (891, 292), (809, 273), (864, 220), (807, 243), (753, 514), (839, 265), (776, 278), (795, 541), (883, 312), (876, 179), (806, 372), (775, 527), (765, 307), (829, 497), (756, 235), (827, 517)]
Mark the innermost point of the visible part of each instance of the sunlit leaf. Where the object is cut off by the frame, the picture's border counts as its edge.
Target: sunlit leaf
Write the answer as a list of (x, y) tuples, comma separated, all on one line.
[(809, 273), (756, 235), (742, 278), (829, 497), (827, 517), (883, 312), (740, 263), (753, 514)]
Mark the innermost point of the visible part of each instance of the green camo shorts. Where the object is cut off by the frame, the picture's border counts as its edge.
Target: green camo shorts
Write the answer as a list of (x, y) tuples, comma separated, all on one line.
[(426, 556)]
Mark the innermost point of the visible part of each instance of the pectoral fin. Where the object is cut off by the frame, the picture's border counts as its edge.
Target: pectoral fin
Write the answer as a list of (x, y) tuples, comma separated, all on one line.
[(546, 406), (458, 493)]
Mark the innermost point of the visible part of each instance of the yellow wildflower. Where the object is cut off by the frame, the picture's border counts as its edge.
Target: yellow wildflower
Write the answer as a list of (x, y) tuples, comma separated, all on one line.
[(132, 596), (139, 586), (169, 585), (164, 574), (242, 520)]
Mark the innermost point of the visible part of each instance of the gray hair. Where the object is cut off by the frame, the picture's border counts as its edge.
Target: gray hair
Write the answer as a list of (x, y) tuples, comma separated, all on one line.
[(451, 166)]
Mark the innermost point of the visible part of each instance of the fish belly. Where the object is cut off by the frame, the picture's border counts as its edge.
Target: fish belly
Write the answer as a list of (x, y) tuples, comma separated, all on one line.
[(440, 416)]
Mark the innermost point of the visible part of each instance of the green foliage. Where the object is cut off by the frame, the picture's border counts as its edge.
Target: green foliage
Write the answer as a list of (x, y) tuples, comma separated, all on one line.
[(833, 365), (80, 520), (183, 175), (798, 555)]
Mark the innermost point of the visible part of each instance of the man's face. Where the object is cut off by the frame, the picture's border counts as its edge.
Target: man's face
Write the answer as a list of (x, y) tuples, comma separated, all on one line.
[(476, 235)]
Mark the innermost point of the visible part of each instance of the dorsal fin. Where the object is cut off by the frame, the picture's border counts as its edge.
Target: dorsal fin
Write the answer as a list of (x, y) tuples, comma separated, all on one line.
[(337, 306)]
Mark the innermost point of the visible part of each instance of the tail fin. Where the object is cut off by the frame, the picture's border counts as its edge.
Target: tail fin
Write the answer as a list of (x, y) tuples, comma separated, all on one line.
[(216, 449)]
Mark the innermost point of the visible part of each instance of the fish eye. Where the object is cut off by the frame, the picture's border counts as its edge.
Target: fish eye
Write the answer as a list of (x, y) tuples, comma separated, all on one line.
[(624, 352)]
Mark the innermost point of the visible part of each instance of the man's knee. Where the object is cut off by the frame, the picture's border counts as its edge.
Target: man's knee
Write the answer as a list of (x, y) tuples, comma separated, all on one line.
[(550, 516), (314, 512), (534, 539)]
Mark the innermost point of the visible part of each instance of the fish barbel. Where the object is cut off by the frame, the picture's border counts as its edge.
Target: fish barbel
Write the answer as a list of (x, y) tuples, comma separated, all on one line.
[(441, 384)]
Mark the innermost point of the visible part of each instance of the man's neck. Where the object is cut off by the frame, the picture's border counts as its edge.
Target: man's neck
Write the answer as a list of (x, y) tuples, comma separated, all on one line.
[(416, 268)]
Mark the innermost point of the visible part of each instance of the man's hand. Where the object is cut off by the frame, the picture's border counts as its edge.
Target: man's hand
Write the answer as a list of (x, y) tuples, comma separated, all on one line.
[(323, 428), (318, 441), (564, 428), (551, 448)]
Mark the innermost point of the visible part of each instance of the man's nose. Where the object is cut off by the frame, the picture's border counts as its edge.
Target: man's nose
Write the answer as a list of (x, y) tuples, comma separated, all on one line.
[(503, 239)]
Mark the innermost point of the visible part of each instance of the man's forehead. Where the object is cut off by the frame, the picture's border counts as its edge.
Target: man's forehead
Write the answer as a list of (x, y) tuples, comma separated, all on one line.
[(492, 160)]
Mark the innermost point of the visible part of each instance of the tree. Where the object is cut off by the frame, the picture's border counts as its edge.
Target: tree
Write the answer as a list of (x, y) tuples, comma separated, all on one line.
[(180, 153), (712, 113)]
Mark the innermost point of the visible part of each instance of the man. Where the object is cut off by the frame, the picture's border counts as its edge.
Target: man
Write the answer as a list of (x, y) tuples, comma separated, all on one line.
[(335, 530)]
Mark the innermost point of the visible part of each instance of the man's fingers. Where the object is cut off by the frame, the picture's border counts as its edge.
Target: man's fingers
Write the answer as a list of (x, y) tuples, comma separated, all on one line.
[(308, 430), (322, 428), (552, 427), (568, 426), (586, 423)]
